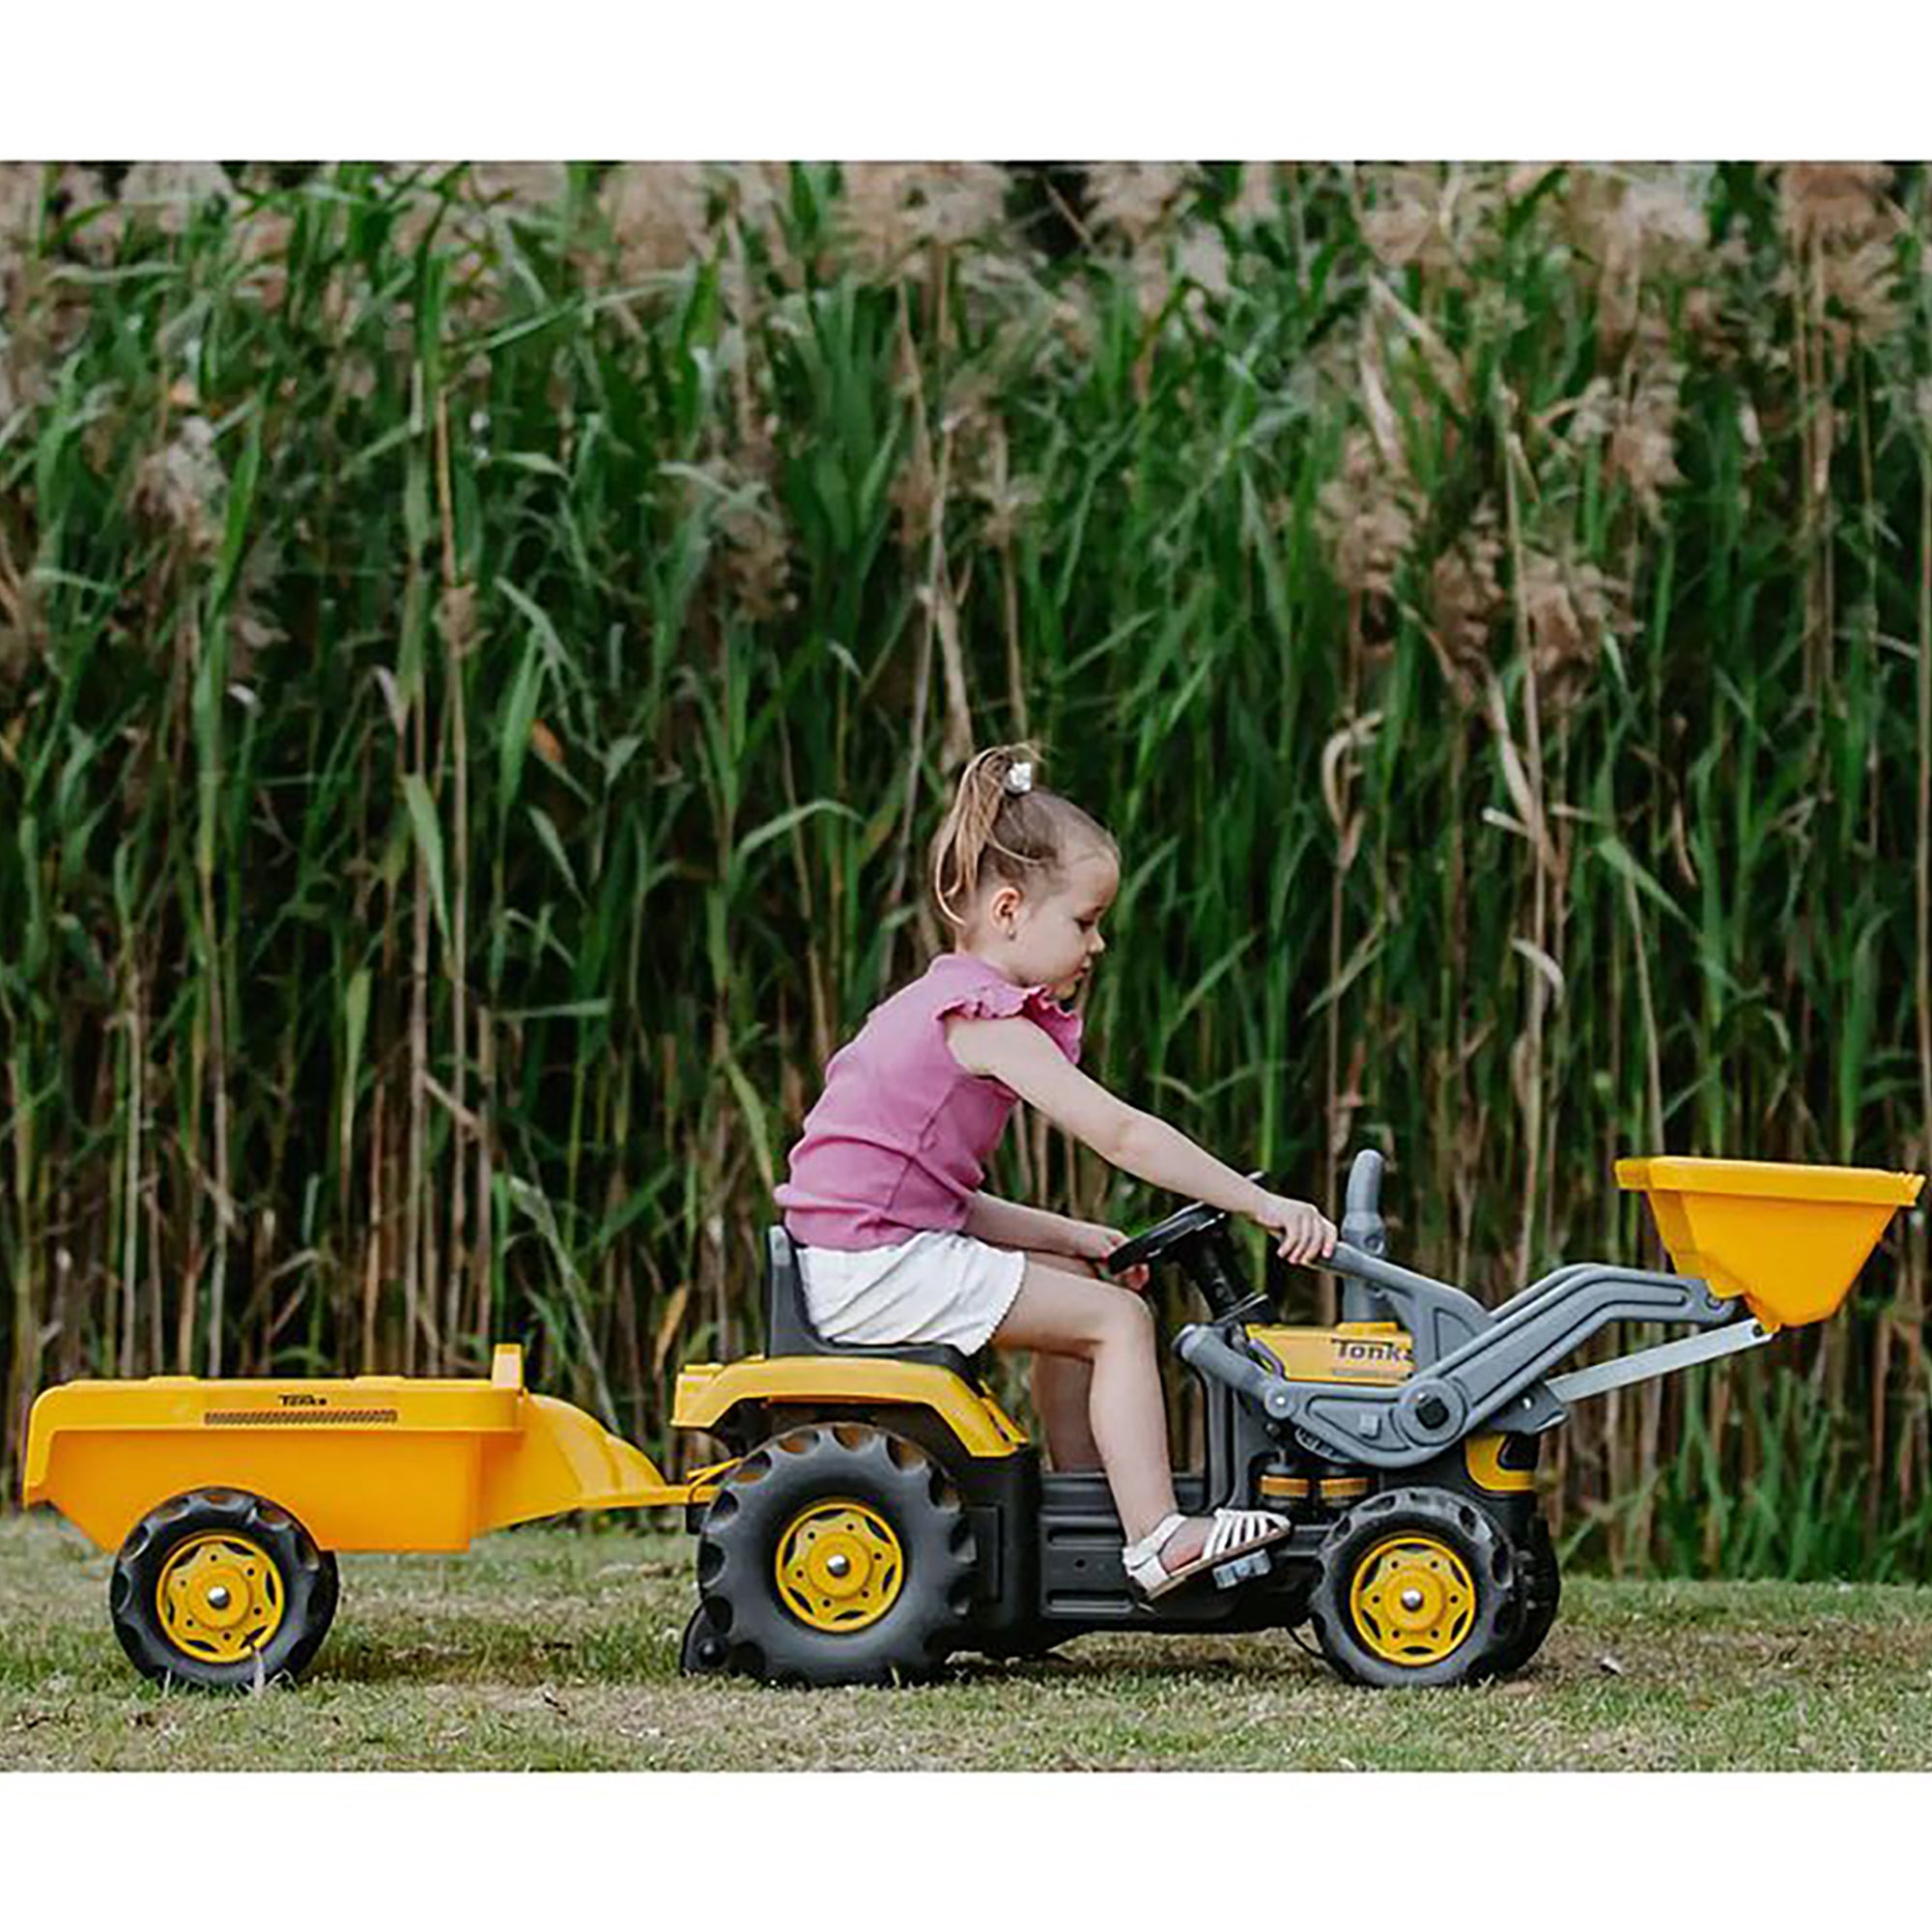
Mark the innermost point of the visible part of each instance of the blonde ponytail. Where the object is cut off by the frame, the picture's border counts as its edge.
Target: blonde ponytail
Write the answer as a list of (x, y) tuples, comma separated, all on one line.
[(1003, 825)]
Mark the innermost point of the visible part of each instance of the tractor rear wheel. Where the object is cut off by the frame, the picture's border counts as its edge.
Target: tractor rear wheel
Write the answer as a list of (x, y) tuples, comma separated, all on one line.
[(222, 1590), (702, 1651), (834, 1553), (1415, 1586)]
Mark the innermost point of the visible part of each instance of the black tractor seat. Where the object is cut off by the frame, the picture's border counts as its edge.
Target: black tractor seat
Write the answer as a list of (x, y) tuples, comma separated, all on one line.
[(789, 1328)]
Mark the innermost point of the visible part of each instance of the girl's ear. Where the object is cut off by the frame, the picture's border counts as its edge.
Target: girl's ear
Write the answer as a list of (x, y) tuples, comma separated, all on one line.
[(1003, 908)]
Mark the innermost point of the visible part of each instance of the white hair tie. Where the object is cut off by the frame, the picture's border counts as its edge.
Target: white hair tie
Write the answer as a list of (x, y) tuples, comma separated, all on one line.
[(1019, 777)]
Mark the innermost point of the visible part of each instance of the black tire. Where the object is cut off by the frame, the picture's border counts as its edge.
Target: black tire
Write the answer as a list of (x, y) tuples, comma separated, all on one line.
[(304, 1581), (918, 1577), (1542, 1593), (1480, 1609), (704, 1651)]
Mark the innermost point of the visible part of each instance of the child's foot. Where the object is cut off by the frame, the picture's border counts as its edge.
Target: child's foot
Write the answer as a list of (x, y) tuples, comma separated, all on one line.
[(1181, 1546)]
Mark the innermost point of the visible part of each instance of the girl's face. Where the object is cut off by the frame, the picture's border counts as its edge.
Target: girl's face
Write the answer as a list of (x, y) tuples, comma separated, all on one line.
[(1052, 938)]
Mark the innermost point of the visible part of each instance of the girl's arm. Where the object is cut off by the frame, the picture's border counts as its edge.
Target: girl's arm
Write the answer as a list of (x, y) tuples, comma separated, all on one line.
[(1018, 1054), (1008, 1223)]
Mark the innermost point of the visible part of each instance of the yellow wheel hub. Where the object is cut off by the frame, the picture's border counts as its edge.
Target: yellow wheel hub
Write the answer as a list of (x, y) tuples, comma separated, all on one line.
[(220, 1597), (839, 1567), (1412, 1600)]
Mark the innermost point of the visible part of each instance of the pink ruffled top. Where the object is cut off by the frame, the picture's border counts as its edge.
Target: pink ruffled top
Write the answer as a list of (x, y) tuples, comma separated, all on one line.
[(898, 1140)]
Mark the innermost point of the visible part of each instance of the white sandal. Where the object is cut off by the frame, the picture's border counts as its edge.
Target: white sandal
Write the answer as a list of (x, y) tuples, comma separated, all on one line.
[(1234, 1533)]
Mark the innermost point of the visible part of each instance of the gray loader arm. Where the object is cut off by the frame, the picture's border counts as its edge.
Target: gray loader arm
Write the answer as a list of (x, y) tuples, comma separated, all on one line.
[(1472, 1365)]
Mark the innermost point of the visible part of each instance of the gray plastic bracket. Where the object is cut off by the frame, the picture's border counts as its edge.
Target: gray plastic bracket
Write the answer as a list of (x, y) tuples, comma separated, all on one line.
[(1440, 1318), (1239, 1568)]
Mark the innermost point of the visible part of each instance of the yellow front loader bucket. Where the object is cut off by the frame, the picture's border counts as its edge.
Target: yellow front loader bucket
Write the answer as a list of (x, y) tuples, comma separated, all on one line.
[(1789, 1239), (365, 1463)]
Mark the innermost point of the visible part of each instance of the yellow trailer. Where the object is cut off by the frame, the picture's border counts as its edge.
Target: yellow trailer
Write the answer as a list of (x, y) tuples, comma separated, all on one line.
[(410, 1463), (228, 1500)]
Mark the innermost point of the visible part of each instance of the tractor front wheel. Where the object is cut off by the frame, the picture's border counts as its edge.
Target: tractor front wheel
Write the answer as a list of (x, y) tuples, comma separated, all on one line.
[(1415, 1586), (704, 1651), (1541, 1593)]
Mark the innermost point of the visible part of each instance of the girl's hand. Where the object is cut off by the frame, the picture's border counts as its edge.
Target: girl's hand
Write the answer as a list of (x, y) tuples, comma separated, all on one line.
[(1092, 1242), (1305, 1231)]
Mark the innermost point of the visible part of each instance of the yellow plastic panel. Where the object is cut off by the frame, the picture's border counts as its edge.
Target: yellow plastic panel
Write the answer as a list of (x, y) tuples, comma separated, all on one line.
[(1789, 1239), (564, 1460), (1483, 1458), (708, 1391), (1376, 1353), (357, 1491)]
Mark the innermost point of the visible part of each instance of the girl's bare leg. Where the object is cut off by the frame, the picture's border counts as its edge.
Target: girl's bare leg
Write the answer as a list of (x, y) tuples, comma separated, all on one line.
[(1062, 1389), (1110, 1330)]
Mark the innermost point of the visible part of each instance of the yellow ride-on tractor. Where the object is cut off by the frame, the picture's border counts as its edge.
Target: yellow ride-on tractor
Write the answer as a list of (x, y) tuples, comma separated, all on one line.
[(863, 1539), (878, 1512)]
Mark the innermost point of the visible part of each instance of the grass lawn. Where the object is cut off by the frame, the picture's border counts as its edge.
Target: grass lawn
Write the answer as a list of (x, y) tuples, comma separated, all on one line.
[(553, 1648)]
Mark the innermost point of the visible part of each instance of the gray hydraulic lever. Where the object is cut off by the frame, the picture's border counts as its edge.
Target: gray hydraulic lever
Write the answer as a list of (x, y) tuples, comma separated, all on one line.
[(1210, 1351), (1621, 1371)]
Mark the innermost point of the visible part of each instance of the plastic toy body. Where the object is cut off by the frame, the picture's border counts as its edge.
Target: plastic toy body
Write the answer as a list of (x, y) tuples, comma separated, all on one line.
[(878, 1511), (370, 1462)]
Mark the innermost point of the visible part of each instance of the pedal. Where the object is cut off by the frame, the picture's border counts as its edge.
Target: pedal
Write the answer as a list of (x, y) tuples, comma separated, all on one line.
[(1227, 1576)]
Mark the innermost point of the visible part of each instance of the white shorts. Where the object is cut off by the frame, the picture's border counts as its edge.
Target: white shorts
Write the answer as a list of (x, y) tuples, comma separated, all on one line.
[(932, 1288)]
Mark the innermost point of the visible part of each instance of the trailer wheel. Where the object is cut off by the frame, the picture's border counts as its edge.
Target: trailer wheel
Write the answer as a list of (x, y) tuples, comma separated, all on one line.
[(220, 1590), (837, 1553), (1415, 1586), (1541, 1593)]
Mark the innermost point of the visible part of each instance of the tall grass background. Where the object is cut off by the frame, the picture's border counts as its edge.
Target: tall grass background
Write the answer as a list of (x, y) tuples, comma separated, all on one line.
[(482, 650)]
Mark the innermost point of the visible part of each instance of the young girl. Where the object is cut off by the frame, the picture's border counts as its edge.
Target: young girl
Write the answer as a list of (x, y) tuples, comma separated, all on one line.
[(896, 1242)]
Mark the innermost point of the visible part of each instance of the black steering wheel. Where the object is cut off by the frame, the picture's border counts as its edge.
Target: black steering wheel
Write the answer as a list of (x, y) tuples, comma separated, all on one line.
[(1184, 1224), (1197, 1236)]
